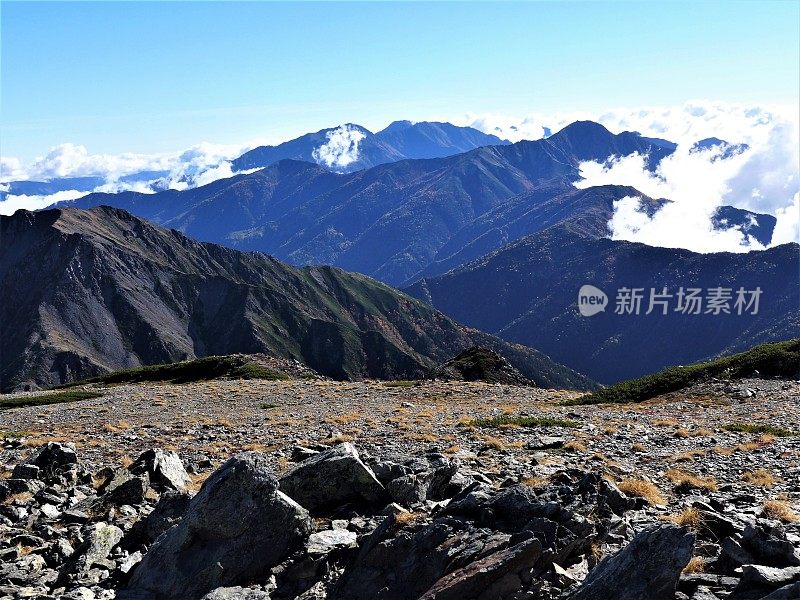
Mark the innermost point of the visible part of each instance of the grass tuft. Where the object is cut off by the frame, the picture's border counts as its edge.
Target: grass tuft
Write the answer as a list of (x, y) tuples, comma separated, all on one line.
[(781, 511), (640, 488)]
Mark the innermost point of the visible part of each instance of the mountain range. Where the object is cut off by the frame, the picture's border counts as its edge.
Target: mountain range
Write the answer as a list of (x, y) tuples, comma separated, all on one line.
[(497, 237), (350, 147), (527, 292), (83, 292), (390, 222)]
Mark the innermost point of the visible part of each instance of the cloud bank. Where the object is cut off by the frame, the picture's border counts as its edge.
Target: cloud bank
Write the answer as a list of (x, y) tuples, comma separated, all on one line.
[(762, 179)]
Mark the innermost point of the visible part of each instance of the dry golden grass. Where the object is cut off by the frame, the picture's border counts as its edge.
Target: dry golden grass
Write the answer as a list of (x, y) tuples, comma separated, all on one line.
[(256, 447), (407, 517), (665, 423), (696, 564), (21, 497), (760, 477), (575, 446), (423, 437), (702, 432), (689, 455), (642, 489), (780, 510), (747, 447), (766, 439), (343, 419), (493, 442), (535, 482), (338, 439), (452, 449), (688, 517), (682, 432), (126, 461), (638, 447), (196, 481), (683, 479)]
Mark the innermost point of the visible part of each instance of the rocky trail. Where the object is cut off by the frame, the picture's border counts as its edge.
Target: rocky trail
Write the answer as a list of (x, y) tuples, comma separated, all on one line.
[(227, 490)]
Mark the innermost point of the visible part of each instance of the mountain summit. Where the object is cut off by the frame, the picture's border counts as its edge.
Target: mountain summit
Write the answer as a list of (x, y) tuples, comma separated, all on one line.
[(350, 147)]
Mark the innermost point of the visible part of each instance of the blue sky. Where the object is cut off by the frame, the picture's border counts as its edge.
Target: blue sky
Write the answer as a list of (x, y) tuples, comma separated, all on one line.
[(157, 77)]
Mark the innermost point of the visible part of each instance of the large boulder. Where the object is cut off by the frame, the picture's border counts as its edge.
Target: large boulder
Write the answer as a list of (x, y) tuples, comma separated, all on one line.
[(399, 562), (236, 529), (93, 552), (649, 567), (164, 468), (494, 576), (51, 460), (332, 479)]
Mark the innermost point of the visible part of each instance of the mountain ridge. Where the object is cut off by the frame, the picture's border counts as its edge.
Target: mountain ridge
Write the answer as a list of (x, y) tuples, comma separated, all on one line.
[(526, 292), (389, 221), (90, 291)]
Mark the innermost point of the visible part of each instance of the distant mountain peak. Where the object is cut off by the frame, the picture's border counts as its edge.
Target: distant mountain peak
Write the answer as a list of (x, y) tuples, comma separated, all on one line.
[(397, 126)]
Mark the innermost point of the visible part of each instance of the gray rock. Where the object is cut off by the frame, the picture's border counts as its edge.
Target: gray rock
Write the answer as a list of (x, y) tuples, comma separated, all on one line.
[(323, 542), (768, 544), (406, 490), (26, 471), (333, 478), (788, 592), (79, 593), (648, 567), (771, 576), (704, 593), (236, 528), (236, 593), (493, 576), (402, 563), (165, 469), (100, 538), (546, 442), (53, 457), (168, 512)]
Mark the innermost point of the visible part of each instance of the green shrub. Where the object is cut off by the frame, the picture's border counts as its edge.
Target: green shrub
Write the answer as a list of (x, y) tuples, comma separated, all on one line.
[(778, 359), (43, 399), (759, 428), (521, 422)]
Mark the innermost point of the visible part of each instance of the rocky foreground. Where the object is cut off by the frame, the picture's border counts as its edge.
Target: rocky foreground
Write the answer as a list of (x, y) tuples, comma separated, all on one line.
[(315, 489)]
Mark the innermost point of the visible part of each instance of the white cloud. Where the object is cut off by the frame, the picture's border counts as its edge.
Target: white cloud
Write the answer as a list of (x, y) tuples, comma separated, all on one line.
[(762, 179), (341, 149), (198, 165), (687, 123), (13, 203), (787, 229)]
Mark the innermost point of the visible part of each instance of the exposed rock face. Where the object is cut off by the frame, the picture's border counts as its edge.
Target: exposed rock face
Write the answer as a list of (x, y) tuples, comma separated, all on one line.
[(480, 364), (333, 478), (237, 527), (648, 567)]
